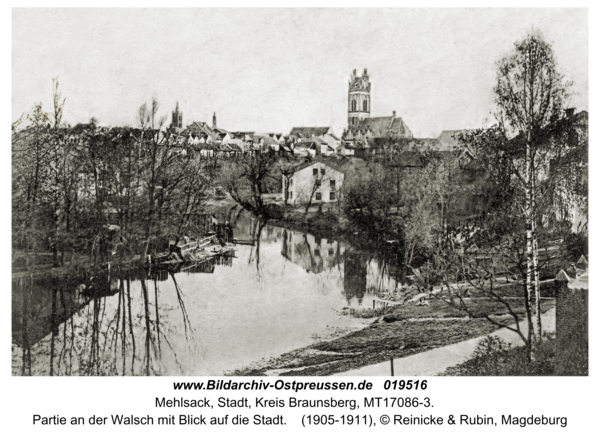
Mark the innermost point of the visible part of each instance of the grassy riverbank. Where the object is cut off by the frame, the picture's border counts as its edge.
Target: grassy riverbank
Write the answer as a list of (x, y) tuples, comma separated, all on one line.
[(402, 331), (565, 356)]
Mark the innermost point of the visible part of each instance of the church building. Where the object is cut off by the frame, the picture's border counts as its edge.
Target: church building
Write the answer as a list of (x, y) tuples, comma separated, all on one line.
[(361, 126)]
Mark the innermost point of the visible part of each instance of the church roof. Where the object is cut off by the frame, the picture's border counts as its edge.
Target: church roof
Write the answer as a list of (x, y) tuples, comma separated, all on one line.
[(379, 126), (382, 124)]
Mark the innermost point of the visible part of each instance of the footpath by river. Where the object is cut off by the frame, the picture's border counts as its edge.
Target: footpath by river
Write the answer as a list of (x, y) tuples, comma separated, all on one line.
[(436, 361)]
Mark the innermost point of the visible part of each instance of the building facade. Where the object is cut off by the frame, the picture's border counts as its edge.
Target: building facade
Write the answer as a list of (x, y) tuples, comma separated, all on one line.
[(313, 181)]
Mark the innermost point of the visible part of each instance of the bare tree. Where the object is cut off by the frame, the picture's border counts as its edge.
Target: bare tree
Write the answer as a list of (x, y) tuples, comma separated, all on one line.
[(192, 192), (58, 105), (244, 178), (287, 169), (314, 187), (156, 149)]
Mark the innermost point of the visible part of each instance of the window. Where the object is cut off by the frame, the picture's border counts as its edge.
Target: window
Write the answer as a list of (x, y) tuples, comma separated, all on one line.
[(353, 105), (315, 171), (317, 252), (332, 183), (318, 196), (322, 171), (332, 195), (365, 105), (318, 182), (331, 251)]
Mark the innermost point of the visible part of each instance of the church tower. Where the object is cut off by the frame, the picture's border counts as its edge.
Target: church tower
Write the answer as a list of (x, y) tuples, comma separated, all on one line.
[(177, 119), (359, 99)]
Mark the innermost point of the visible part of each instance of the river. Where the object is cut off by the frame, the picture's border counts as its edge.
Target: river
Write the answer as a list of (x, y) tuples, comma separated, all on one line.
[(284, 292)]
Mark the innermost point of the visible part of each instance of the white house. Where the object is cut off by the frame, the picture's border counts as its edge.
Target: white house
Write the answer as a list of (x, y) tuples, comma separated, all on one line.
[(313, 181)]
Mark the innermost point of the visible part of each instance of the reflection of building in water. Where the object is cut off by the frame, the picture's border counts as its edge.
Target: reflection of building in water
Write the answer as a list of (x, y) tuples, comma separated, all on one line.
[(271, 233), (312, 253), (355, 276)]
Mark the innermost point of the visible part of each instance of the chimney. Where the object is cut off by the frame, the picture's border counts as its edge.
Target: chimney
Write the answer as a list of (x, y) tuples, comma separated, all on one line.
[(365, 72), (394, 114), (214, 126)]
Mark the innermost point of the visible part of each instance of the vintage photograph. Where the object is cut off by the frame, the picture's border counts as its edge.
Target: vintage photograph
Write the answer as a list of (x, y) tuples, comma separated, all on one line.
[(299, 192)]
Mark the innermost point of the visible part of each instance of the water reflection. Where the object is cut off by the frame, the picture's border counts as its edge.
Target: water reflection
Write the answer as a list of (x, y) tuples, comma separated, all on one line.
[(355, 276), (312, 253), (268, 297)]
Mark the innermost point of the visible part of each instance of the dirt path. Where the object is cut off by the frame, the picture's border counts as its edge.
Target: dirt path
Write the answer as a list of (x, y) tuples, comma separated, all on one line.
[(421, 340), (435, 361)]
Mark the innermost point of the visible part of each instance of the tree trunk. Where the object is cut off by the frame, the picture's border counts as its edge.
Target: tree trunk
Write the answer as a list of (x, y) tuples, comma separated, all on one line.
[(533, 312), (536, 282)]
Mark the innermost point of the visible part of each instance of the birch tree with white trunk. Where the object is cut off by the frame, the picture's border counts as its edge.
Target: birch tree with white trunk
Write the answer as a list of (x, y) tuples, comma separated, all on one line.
[(531, 96)]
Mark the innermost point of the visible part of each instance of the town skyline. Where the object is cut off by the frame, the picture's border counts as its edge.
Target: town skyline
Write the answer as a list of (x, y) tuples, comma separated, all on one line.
[(262, 70)]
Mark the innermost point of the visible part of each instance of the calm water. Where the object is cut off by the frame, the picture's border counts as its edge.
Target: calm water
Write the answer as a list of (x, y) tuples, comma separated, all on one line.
[(284, 292)]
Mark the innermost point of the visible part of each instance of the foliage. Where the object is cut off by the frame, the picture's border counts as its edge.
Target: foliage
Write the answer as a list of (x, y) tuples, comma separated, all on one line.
[(412, 202), (493, 357), (533, 155), (489, 261), (101, 192), (245, 177)]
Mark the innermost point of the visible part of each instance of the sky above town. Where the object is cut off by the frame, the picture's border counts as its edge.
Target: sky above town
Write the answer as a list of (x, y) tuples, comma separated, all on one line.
[(268, 70)]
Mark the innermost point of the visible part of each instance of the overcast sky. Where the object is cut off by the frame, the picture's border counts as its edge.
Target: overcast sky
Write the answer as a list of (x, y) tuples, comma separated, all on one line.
[(268, 70)]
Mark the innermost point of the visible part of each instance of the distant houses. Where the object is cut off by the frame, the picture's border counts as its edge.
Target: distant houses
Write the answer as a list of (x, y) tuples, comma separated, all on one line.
[(212, 140), (314, 141), (366, 137)]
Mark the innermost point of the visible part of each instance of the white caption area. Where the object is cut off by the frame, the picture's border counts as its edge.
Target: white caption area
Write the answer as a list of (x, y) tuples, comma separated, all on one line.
[(152, 406)]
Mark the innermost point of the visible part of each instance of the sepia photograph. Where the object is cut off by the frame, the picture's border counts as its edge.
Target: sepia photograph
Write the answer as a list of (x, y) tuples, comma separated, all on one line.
[(274, 192)]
